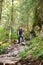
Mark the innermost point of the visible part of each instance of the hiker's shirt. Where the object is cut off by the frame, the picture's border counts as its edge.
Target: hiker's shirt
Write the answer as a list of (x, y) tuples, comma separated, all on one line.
[(20, 32)]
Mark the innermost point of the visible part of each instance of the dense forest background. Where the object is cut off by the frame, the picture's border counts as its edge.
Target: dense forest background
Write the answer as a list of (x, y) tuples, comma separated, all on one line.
[(25, 13)]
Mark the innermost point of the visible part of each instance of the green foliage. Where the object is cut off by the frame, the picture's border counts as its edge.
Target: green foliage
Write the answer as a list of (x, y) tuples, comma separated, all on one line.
[(22, 54), (38, 51), (1, 29), (14, 36), (3, 34), (34, 40), (2, 47), (26, 49)]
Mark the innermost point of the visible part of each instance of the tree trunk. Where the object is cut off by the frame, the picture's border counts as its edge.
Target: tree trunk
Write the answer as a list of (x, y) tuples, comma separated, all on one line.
[(1, 1), (11, 22)]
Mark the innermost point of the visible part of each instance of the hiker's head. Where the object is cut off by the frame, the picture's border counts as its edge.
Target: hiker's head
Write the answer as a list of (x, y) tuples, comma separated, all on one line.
[(20, 28)]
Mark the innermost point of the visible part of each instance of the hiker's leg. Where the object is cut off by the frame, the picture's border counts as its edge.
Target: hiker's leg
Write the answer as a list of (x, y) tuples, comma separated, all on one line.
[(22, 38), (19, 39)]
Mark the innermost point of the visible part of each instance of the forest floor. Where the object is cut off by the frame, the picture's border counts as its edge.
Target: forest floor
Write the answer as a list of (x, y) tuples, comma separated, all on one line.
[(12, 55)]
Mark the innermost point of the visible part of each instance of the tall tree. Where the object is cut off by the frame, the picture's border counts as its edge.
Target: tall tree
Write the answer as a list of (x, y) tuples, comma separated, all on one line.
[(27, 12)]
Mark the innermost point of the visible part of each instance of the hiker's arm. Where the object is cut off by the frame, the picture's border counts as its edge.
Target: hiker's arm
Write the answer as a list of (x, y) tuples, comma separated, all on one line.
[(17, 32)]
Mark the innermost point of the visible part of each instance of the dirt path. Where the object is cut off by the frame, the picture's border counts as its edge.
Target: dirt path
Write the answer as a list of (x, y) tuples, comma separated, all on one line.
[(11, 56), (14, 49)]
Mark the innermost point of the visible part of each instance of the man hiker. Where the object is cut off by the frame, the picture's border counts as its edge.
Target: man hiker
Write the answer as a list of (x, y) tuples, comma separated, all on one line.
[(20, 35)]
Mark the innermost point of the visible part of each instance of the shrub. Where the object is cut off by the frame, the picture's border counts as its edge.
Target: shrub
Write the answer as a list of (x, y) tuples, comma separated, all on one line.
[(14, 36), (22, 53), (3, 34), (2, 47)]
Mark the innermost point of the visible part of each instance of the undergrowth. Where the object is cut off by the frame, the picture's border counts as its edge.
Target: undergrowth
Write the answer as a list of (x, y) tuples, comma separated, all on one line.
[(38, 49), (2, 47)]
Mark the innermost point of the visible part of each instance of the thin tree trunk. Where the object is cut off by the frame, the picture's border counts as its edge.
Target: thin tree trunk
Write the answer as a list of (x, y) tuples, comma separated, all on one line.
[(11, 22), (1, 1)]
